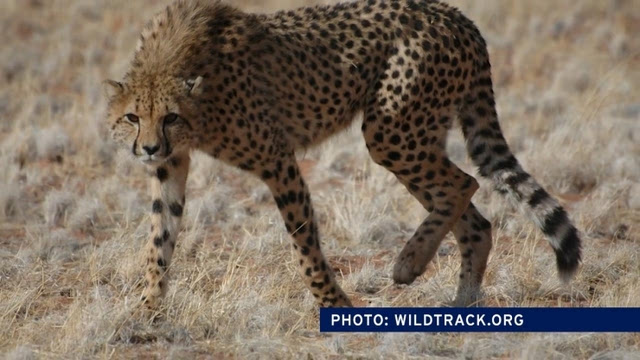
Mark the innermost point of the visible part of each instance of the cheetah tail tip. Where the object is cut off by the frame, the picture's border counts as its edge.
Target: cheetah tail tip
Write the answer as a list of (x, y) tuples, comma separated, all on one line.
[(568, 263)]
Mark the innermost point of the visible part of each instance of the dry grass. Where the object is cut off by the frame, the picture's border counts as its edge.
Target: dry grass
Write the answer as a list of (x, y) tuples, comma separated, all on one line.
[(73, 212)]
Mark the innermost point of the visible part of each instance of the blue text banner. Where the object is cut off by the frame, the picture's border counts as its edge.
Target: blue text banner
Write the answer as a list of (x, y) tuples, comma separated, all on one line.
[(480, 320)]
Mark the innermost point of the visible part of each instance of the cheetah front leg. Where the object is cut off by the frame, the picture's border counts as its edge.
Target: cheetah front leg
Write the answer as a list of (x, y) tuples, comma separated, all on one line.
[(294, 202), (167, 190)]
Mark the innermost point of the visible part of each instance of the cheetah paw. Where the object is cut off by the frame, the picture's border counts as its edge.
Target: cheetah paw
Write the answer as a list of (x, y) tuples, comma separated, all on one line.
[(407, 269)]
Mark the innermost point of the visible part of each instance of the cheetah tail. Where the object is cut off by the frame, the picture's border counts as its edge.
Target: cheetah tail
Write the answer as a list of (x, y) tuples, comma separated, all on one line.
[(489, 151)]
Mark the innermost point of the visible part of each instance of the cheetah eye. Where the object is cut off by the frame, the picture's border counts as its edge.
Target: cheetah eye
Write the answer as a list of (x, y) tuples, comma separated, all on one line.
[(170, 118), (133, 118)]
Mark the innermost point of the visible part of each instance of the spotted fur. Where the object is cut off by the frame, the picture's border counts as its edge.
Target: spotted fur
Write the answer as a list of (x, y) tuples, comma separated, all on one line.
[(252, 89)]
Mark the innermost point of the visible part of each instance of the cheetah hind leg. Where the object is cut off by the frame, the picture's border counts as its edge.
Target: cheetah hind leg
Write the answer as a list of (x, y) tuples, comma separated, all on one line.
[(473, 234), (446, 197), (439, 185)]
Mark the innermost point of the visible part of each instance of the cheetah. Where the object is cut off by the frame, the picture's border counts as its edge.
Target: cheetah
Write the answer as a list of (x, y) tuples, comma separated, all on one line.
[(252, 89)]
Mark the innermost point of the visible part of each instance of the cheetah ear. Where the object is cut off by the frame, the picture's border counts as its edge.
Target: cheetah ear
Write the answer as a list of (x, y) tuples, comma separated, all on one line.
[(112, 88), (194, 86)]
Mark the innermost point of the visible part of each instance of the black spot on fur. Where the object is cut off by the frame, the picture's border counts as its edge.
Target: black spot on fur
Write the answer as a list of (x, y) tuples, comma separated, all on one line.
[(568, 256), (162, 174), (506, 164), (157, 206), (266, 175), (176, 209), (554, 220), (538, 196), (162, 263), (517, 179), (477, 151)]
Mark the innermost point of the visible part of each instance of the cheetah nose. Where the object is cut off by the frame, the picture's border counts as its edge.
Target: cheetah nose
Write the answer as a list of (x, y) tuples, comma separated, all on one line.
[(151, 149)]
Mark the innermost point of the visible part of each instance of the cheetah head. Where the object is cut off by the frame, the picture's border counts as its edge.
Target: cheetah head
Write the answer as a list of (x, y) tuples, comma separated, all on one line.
[(153, 117)]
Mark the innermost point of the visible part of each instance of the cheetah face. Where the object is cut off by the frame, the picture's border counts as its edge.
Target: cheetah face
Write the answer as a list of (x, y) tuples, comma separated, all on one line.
[(153, 121)]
